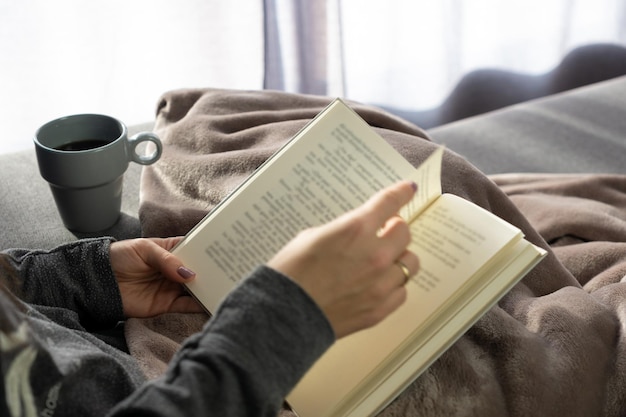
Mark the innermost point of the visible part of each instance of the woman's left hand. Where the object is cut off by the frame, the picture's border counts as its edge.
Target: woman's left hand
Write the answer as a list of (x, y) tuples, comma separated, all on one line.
[(150, 277)]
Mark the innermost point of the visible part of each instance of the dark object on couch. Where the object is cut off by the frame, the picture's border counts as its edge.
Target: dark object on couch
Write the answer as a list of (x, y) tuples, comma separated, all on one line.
[(485, 90)]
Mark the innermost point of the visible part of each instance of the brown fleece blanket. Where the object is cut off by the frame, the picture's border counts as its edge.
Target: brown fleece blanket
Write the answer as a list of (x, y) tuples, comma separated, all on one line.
[(552, 347)]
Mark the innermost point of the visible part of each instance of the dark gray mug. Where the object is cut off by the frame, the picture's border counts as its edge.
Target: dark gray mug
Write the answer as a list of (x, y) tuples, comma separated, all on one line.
[(83, 157)]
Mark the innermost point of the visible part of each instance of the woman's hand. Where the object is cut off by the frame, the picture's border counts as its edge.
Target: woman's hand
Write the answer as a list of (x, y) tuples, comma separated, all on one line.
[(150, 277), (354, 267)]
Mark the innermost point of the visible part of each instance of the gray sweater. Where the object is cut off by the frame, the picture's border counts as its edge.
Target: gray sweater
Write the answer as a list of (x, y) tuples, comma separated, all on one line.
[(63, 353)]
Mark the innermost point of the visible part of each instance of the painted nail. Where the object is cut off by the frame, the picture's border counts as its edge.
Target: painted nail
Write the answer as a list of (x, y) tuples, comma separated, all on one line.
[(414, 186), (185, 272)]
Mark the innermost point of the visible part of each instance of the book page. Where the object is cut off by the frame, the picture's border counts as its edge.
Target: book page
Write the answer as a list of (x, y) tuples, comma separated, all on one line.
[(427, 177), (454, 240), (333, 166)]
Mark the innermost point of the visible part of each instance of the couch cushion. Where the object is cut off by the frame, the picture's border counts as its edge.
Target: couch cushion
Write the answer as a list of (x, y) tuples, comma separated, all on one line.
[(578, 131)]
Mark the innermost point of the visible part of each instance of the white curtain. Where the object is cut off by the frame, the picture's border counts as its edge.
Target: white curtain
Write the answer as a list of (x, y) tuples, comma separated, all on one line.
[(117, 56), (409, 54)]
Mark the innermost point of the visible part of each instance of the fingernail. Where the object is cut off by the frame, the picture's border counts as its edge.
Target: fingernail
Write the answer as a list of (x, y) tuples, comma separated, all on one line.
[(414, 186), (185, 272)]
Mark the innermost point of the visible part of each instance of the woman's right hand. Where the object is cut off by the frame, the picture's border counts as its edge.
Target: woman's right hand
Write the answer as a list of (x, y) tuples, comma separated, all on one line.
[(353, 266)]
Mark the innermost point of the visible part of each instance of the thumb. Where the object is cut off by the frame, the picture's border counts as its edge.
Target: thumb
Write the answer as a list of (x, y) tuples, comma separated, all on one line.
[(166, 262)]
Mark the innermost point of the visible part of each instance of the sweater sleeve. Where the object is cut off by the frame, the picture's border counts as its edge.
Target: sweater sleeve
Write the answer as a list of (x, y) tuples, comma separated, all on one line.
[(76, 276), (263, 338)]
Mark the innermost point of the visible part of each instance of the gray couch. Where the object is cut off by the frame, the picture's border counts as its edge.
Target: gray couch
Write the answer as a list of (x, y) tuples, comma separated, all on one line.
[(578, 131)]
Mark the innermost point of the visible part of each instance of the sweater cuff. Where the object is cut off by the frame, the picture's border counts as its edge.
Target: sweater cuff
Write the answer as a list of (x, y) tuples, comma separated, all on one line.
[(76, 276)]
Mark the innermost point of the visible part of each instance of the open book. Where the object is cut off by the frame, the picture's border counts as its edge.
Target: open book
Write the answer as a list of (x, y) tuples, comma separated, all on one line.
[(469, 258)]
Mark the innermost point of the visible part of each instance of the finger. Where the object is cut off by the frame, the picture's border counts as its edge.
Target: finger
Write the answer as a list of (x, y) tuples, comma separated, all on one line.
[(166, 262), (388, 202), (382, 309), (396, 234), (406, 266), (393, 302), (186, 304), (167, 243)]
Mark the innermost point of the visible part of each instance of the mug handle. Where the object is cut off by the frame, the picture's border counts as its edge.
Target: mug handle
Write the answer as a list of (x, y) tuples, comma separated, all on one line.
[(140, 137)]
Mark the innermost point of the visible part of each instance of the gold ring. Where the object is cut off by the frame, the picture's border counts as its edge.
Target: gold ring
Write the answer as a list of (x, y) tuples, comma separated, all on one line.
[(405, 271)]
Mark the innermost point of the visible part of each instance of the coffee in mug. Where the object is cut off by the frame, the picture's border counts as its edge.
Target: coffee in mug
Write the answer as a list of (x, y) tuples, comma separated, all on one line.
[(83, 145), (83, 157)]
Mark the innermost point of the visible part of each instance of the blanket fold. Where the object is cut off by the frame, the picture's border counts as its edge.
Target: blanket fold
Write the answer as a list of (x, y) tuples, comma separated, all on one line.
[(552, 347)]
